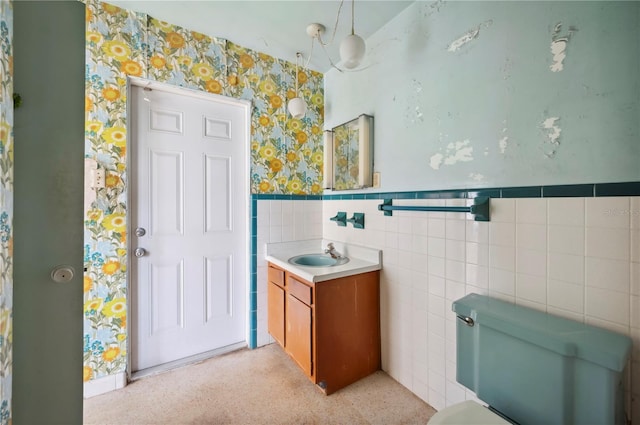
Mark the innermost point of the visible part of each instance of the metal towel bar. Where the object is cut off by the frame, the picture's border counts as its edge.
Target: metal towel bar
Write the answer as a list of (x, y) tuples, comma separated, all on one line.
[(480, 208)]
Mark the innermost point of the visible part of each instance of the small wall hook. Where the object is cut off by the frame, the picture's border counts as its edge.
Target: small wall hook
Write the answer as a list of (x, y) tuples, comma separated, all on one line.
[(340, 218), (357, 220)]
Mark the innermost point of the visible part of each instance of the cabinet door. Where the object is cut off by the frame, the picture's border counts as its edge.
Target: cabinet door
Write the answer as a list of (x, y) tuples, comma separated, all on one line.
[(299, 332), (275, 312)]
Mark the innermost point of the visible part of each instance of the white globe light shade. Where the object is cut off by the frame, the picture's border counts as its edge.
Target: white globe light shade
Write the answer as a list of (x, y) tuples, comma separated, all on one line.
[(297, 107), (352, 51)]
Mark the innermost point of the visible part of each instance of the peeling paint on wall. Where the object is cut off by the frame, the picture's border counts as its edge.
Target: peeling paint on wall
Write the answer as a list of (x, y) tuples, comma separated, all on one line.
[(433, 8), (504, 142), (436, 161), (468, 37), (455, 152), (476, 176), (552, 130), (414, 113), (559, 47)]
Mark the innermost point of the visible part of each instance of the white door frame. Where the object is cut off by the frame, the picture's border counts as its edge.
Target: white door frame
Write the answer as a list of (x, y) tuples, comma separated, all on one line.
[(196, 94)]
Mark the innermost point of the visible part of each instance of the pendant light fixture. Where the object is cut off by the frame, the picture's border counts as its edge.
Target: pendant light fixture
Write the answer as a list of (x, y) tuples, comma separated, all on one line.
[(297, 106), (352, 48)]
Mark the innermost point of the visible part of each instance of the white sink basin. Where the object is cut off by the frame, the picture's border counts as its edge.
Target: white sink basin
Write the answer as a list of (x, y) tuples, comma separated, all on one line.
[(317, 260)]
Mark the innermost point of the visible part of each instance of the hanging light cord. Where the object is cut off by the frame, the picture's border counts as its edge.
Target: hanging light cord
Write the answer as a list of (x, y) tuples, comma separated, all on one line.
[(298, 54), (353, 7), (335, 27)]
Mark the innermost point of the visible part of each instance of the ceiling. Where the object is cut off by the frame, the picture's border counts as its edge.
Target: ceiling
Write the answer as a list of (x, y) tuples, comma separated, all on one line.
[(274, 27)]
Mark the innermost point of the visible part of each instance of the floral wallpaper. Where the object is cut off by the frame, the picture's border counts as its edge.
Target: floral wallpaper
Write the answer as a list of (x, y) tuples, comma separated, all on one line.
[(6, 208), (286, 153), (346, 138)]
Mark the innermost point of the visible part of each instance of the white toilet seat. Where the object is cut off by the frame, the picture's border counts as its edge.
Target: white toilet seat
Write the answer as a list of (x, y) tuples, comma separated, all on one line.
[(466, 413)]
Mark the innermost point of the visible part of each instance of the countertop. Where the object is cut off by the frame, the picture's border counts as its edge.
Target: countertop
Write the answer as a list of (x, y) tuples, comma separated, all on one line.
[(361, 259)]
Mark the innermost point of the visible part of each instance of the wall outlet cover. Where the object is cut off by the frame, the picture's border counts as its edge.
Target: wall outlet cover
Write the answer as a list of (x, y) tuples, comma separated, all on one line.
[(376, 179)]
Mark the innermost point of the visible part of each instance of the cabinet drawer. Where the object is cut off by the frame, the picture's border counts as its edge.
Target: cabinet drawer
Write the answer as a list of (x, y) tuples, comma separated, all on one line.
[(299, 290), (276, 276)]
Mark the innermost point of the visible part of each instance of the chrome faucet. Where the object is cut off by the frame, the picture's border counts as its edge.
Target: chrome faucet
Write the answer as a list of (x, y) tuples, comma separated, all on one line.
[(331, 250)]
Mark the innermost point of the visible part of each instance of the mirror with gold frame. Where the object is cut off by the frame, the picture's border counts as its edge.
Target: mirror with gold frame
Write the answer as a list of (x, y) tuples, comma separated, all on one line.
[(350, 163)]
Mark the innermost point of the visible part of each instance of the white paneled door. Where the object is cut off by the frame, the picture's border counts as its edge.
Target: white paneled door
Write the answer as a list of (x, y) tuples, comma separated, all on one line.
[(189, 218)]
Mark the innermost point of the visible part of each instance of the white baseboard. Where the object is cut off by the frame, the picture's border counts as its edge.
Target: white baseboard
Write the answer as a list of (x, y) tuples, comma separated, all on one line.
[(105, 384)]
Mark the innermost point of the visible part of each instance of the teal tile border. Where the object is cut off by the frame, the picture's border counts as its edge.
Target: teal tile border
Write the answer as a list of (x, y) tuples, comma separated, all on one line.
[(571, 190)]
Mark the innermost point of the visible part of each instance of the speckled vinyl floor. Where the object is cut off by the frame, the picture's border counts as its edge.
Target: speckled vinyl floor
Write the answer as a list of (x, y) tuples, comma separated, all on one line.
[(261, 386)]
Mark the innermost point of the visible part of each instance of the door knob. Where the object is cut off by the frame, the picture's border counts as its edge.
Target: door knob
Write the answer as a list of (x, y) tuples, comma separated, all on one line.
[(139, 252), (140, 232)]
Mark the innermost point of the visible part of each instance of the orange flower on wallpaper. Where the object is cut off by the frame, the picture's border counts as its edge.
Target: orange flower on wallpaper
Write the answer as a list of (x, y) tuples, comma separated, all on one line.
[(202, 70), (301, 137), (233, 80), (131, 68), (88, 104), (275, 100), (111, 94), (276, 165), (264, 186), (292, 156), (112, 180), (87, 373), (111, 354), (111, 9), (198, 35), (264, 120), (302, 77), (175, 40), (213, 86), (246, 61), (110, 267), (158, 62), (88, 283)]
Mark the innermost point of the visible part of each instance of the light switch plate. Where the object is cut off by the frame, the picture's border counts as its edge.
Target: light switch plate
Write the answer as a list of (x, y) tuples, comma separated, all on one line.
[(376, 179)]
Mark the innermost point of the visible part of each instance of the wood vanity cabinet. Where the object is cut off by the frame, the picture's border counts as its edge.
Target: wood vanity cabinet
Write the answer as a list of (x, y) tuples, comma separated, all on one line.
[(331, 329)]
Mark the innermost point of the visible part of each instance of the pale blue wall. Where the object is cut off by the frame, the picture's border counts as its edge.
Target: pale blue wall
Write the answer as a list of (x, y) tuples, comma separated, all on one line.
[(425, 98)]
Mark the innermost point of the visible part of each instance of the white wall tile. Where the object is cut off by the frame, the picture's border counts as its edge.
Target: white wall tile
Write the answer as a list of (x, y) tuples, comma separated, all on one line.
[(611, 212), (635, 212), (455, 229), (607, 305), (531, 210), (455, 250), (566, 211), (275, 212), (477, 231), (532, 236), (503, 210), (420, 243), (455, 270), (531, 262), (635, 313), (455, 393), (635, 246), (437, 285), (502, 257), (454, 290), (566, 239), (566, 296), (532, 288), (635, 278), (436, 266), (608, 274), (477, 254), (436, 227), (502, 234), (578, 317), (436, 247), (420, 225), (608, 243), (502, 281), (477, 275), (565, 267)]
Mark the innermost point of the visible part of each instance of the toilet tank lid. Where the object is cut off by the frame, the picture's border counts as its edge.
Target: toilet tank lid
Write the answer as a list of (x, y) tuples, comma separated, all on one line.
[(564, 336)]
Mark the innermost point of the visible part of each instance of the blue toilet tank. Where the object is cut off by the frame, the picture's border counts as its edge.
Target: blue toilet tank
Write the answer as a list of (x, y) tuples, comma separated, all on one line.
[(537, 368)]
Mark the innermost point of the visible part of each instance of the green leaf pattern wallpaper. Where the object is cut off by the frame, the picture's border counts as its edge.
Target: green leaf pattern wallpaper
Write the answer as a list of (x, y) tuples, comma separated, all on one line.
[(286, 153), (6, 208)]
